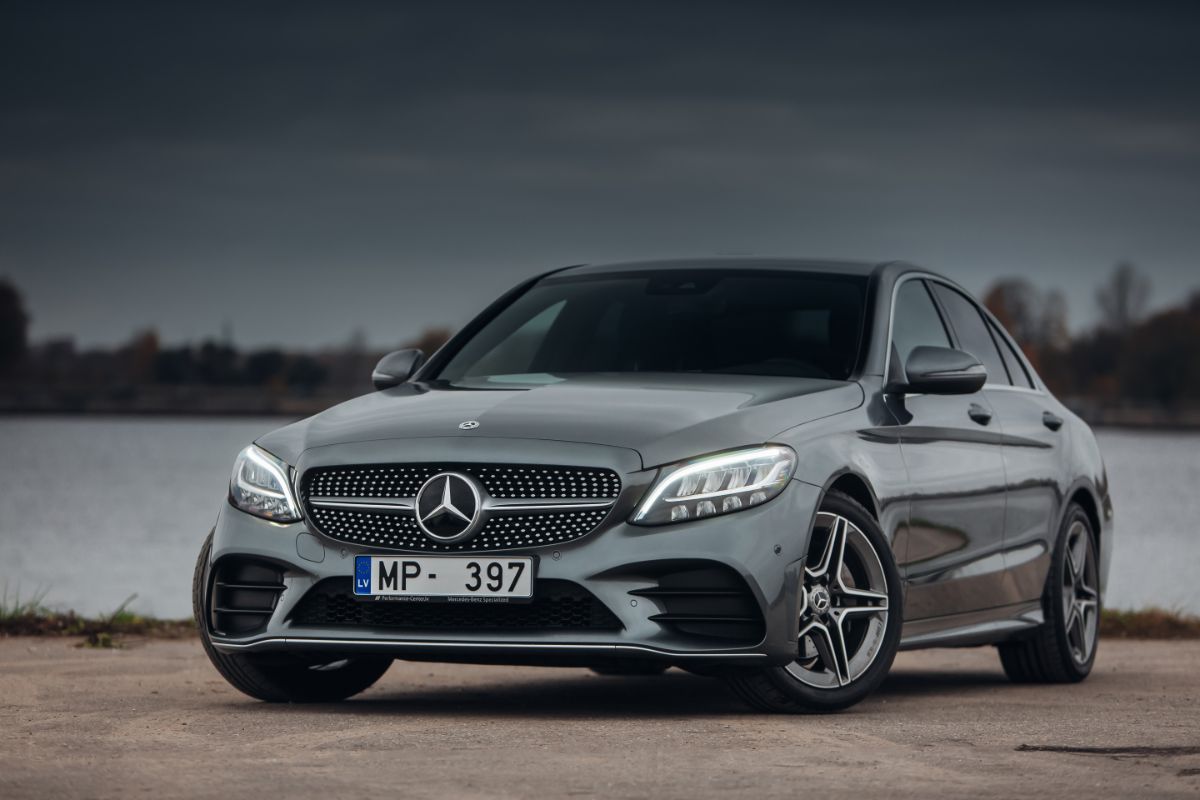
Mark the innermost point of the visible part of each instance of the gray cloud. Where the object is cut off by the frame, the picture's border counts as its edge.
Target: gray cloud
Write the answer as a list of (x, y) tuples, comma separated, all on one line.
[(303, 171)]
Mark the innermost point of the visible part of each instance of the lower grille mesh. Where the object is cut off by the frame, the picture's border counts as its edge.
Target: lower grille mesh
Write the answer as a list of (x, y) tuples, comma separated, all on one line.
[(557, 605)]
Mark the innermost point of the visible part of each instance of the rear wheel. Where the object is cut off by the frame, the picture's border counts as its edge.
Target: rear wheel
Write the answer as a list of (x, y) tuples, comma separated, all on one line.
[(283, 678), (849, 624), (1063, 649)]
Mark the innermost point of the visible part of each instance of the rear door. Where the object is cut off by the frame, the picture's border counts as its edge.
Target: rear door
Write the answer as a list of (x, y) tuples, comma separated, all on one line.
[(1033, 458), (952, 548)]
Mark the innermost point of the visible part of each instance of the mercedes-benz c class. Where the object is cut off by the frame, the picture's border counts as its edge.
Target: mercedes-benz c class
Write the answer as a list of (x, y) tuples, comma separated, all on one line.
[(774, 472)]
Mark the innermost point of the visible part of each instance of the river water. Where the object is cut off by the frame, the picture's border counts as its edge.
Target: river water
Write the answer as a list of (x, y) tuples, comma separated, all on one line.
[(96, 509)]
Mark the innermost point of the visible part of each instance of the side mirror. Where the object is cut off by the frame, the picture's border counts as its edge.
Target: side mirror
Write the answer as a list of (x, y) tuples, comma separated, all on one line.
[(396, 367), (941, 370)]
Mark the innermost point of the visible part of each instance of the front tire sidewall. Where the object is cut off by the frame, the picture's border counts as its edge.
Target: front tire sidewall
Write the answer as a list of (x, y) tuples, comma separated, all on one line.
[(814, 699), (278, 679)]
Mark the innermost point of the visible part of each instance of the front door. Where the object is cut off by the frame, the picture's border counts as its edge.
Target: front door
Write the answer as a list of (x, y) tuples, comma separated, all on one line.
[(952, 448)]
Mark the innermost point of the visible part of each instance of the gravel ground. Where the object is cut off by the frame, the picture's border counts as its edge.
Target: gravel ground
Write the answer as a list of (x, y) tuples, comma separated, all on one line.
[(155, 719)]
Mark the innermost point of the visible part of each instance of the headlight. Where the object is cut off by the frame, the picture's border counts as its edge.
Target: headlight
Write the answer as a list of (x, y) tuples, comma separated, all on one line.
[(719, 484), (260, 486)]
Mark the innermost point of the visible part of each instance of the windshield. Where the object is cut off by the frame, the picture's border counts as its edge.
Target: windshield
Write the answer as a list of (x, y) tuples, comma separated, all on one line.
[(740, 322)]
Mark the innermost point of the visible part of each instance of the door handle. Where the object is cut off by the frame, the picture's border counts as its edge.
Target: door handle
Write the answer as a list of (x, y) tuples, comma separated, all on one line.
[(1052, 421), (979, 414)]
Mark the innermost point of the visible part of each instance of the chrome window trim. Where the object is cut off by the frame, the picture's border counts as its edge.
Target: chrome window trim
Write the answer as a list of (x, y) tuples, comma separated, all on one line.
[(928, 276)]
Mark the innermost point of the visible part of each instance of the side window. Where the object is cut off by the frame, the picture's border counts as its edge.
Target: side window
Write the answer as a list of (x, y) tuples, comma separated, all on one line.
[(1016, 370), (916, 322), (973, 335)]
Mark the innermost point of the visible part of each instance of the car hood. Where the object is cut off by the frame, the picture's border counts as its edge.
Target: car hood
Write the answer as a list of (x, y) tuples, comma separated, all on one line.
[(663, 418)]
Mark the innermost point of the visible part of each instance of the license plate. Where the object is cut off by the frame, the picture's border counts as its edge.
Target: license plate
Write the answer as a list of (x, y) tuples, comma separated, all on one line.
[(445, 578)]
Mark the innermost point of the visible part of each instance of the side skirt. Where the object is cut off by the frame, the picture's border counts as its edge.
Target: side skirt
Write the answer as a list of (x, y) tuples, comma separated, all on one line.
[(972, 628)]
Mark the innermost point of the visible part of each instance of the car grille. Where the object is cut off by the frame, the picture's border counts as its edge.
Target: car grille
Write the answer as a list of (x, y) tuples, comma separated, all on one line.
[(557, 605), (700, 598), (556, 489)]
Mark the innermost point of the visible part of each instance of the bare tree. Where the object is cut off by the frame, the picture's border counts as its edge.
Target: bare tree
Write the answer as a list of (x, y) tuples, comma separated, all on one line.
[(1035, 319), (14, 325), (1122, 299), (1017, 304), (1052, 322)]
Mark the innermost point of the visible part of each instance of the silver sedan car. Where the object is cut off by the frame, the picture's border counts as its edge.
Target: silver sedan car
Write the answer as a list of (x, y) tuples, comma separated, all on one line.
[(775, 472)]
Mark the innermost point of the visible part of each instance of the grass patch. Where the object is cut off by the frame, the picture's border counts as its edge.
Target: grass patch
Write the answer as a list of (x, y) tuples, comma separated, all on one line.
[(30, 617), (1150, 623)]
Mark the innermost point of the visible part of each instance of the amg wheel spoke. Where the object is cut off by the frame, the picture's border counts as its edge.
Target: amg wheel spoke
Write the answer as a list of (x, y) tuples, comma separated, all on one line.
[(1075, 559), (832, 649), (875, 600), (833, 548), (857, 611), (1080, 628)]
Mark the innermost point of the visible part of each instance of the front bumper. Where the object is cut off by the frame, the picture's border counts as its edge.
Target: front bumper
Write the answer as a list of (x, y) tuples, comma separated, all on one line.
[(763, 546)]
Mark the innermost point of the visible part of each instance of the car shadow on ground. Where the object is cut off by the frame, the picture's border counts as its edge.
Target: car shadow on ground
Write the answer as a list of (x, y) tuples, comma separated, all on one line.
[(572, 693)]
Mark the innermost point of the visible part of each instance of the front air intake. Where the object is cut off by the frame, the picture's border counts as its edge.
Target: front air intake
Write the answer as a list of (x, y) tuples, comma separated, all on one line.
[(707, 600), (244, 595)]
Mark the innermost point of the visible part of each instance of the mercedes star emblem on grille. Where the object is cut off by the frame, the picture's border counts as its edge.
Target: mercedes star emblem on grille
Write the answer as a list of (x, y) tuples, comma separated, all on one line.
[(449, 507), (469, 425)]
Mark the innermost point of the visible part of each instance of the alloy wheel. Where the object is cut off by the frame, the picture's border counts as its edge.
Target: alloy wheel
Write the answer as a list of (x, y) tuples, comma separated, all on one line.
[(844, 607), (1081, 600)]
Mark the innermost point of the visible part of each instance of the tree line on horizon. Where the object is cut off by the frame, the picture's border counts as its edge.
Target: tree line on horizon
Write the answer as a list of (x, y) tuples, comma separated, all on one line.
[(1129, 356)]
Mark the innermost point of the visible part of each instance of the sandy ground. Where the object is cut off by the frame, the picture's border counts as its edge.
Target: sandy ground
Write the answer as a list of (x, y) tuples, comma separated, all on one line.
[(156, 720)]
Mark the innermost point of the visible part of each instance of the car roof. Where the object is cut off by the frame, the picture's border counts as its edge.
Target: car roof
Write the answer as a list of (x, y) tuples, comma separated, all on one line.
[(834, 266), (885, 272)]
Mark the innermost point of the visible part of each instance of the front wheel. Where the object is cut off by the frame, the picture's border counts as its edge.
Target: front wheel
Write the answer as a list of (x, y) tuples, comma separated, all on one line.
[(1063, 649), (849, 622), (283, 678)]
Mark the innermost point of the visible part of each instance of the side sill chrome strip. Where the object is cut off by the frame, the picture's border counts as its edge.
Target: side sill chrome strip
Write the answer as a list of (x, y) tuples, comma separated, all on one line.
[(223, 644), (489, 504)]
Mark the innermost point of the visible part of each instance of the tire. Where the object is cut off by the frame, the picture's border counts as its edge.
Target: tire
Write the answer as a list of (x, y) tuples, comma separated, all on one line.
[(630, 668), (1063, 649), (792, 688), (282, 678)]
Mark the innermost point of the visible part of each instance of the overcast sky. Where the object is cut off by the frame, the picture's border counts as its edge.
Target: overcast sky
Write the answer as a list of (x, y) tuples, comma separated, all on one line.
[(298, 173)]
